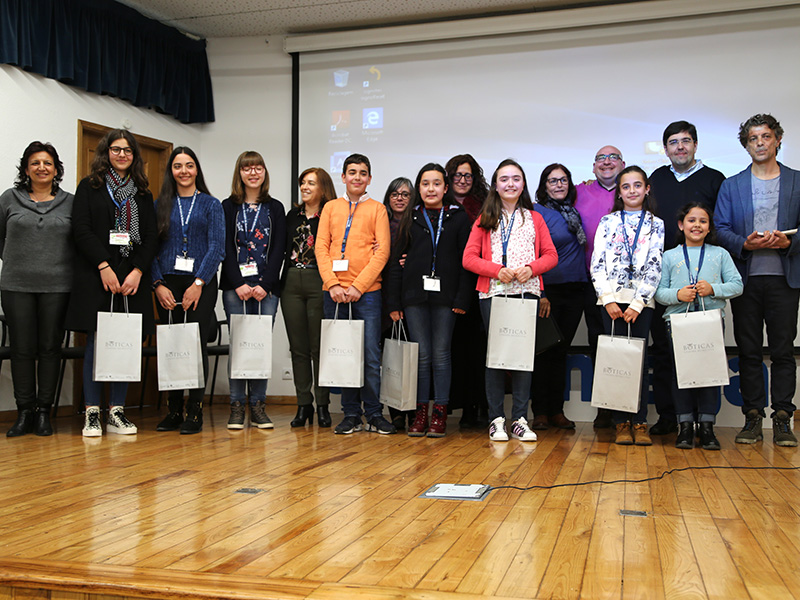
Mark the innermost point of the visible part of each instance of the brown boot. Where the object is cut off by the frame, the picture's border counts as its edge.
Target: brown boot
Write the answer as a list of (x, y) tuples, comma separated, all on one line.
[(420, 425), (438, 421), (624, 437), (640, 435)]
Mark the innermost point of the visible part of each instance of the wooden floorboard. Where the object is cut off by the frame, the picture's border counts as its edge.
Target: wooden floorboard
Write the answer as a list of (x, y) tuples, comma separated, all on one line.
[(160, 515)]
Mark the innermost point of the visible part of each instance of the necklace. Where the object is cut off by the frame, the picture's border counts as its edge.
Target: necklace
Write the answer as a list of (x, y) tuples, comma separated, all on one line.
[(35, 199)]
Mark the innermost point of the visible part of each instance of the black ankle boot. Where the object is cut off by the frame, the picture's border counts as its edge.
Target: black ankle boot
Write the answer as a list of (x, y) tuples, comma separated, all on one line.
[(24, 423), (708, 441), (43, 426), (323, 416), (305, 413), (174, 416), (685, 438), (194, 419)]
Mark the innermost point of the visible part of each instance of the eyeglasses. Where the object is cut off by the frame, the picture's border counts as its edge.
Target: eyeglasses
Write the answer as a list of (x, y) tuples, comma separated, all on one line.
[(465, 176), (611, 157), (685, 141), (556, 180), (257, 169), (398, 195), (116, 150)]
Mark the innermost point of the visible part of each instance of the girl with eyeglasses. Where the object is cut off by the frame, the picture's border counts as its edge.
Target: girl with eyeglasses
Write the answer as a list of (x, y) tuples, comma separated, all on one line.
[(114, 228), (191, 230), (255, 242)]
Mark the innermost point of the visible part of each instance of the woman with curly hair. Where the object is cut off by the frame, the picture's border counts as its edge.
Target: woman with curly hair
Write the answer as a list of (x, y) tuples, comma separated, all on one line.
[(35, 231)]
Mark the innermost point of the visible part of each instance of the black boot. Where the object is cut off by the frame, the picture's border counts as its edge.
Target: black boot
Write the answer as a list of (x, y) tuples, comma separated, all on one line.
[(24, 423), (708, 441), (194, 418), (42, 426), (304, 413), (174, 416), (323, 416), (685, 438)]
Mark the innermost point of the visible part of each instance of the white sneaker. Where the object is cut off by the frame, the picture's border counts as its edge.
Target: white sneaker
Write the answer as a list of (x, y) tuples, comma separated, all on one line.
[(521, 431), (91, 427), (118, 422), (497, 430)]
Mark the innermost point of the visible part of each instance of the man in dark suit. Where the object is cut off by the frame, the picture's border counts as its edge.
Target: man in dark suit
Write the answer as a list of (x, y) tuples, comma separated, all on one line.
[(757, 215)]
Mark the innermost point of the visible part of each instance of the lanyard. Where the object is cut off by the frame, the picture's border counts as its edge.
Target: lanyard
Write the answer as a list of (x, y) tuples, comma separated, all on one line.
[(352, 211), (504, 238), (120, 207), (434, 238), (185, 224), (631, 248), (693, 277), (255, 220)]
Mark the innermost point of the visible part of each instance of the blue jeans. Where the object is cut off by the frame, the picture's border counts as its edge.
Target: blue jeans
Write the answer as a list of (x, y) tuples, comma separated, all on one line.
[(431, 326), (367, 309), (234, 306), (92, 390), (496, 381)]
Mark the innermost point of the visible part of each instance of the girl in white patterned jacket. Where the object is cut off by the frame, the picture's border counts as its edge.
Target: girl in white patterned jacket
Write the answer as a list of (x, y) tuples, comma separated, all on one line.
[(626, 269)]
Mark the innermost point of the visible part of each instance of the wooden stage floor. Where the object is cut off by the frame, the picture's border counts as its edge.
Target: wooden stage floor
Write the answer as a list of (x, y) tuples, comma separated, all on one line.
[(159, 515)]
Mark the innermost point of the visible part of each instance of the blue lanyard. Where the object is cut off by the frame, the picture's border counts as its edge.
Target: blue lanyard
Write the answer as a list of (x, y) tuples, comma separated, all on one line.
[(504, 238), (434, 238), (120, 206), (631, 248), (349, 222), (255, 220), (693, 277), (185, 224)]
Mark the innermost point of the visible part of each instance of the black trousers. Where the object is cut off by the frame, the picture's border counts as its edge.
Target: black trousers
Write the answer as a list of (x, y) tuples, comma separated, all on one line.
[(766, 300), (549, 371), (204, 316), (36, 330), (663, 365)]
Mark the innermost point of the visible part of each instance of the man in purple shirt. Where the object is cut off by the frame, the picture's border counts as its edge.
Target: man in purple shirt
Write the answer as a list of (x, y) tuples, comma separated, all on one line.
[(595, 199)]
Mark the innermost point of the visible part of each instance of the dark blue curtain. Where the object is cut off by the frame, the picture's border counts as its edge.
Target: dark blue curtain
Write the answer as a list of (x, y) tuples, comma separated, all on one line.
[(105, 47)]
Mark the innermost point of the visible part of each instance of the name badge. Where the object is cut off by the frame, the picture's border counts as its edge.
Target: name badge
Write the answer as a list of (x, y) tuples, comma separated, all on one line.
[(184, 264), (431, 284), (341, 265), (119, 238), (248, 269)]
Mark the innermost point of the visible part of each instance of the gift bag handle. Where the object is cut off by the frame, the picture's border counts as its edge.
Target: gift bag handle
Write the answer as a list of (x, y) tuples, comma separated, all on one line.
[(185, 318), (336, 311), (124, 302), (613, 328), (702, 305), (397, 329), (244, 307)]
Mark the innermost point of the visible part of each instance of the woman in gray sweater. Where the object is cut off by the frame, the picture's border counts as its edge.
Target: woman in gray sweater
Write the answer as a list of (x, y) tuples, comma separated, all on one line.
[(36, 249)]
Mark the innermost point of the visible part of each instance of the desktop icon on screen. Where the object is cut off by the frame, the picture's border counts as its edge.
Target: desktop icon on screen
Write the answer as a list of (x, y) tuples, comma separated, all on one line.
[(340, 78), (340, 119), (372, 118)]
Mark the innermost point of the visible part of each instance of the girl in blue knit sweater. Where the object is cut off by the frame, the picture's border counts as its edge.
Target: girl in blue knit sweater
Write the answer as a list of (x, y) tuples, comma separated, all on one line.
[(695, 269)]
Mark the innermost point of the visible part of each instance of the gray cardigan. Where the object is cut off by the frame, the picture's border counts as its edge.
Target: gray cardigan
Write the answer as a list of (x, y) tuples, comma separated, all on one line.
[(35, 243)]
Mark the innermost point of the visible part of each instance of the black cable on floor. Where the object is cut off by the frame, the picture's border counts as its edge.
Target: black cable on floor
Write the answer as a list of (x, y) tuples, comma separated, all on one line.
[(657, 477)]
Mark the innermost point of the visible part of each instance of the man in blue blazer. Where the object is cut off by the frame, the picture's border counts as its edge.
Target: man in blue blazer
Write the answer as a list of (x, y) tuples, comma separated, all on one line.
[(757, 215)]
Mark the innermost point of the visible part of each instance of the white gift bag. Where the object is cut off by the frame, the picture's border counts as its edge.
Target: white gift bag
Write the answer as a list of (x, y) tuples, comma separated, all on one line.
[(250, 346), (179, 356), (399, 368), (118, 345), (341, 352), (618, 372), (699, 348), (512, 333)]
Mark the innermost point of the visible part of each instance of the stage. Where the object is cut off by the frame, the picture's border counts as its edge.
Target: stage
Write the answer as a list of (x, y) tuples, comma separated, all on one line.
[(303, 513)]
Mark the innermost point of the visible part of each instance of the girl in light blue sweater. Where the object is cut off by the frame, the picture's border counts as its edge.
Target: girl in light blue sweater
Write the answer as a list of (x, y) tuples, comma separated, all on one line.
[(693, 270)]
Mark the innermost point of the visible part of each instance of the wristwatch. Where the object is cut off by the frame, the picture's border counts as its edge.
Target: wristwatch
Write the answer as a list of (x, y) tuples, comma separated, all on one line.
[(199, 282)]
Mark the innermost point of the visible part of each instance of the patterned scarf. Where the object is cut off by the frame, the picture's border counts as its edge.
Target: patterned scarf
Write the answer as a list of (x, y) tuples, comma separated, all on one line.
[(126, 213), (570, 215)]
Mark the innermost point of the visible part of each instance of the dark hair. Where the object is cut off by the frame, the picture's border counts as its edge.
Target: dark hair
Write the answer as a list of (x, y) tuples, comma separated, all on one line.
[(711, 238), (541, 191), (356, 159), (394, 186), (404, 232), (101, 164), (480, 189), (23, 182), (677, 127), (248, 159), (759, 120), (649, 203), (169, 190), (493, 206), (323, 181)]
